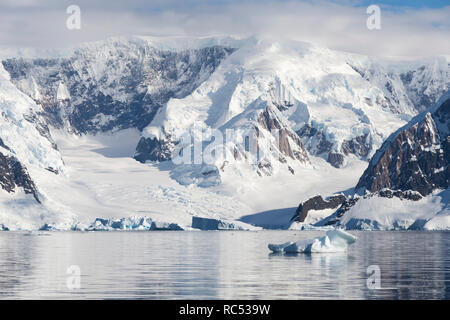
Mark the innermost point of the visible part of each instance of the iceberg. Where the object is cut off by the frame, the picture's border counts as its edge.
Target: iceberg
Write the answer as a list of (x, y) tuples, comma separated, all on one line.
[(334, 241)]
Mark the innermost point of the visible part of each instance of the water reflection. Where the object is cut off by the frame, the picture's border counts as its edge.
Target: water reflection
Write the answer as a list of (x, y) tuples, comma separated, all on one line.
[(221, 265)]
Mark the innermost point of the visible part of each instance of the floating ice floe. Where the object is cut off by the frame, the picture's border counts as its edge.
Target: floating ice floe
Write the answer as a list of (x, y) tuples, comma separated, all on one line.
[(334, 241)]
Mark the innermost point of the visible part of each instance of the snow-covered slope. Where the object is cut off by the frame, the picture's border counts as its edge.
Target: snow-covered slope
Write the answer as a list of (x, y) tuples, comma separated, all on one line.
[(26, 150), (23, 130), (393, 213)]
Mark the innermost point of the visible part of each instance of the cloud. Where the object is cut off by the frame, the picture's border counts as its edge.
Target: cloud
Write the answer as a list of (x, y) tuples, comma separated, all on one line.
[(404, 32)]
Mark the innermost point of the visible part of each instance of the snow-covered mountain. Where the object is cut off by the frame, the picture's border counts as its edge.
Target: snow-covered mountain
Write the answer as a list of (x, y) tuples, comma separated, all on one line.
[(288, 113), (405, 185), (113, 84), (340, 105)]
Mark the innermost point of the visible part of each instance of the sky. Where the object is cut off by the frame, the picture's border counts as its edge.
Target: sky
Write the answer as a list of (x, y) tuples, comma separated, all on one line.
[(408, 28)]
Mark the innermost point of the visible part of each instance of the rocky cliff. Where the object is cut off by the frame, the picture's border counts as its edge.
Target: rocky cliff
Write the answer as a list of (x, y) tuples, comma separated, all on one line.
[(416, 157), (14, 175)]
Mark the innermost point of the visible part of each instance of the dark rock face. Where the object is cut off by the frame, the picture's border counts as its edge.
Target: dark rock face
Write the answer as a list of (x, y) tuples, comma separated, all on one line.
[(317, 203), (348, 203), (408, 195), (335, 217), (317, 144), (3, 145), (41, 126), (335, 159), (270, 122), (152, 149), (359, 146), (13, 174), (414, 158), (322, 145), (411, 163), (114, 85)]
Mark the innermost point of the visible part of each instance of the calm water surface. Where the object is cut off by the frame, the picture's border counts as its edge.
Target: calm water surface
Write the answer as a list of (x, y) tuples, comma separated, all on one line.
[(220, 265)]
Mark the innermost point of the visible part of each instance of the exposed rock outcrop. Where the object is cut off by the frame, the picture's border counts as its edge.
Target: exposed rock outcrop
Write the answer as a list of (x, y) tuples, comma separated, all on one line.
[(317, 142), (416, 157), (412, 163), (408, 195), (334, 218), (153, 149), (317, 203), (359, 146), (262, 138), (13, 175), (336, 159), (289, 144)]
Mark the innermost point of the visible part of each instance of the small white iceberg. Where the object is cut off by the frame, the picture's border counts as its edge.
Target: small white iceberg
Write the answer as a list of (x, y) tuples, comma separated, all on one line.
[(334, 241)]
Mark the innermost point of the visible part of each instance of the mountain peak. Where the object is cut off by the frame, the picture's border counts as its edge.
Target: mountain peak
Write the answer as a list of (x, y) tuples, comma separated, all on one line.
[(415, 157)]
